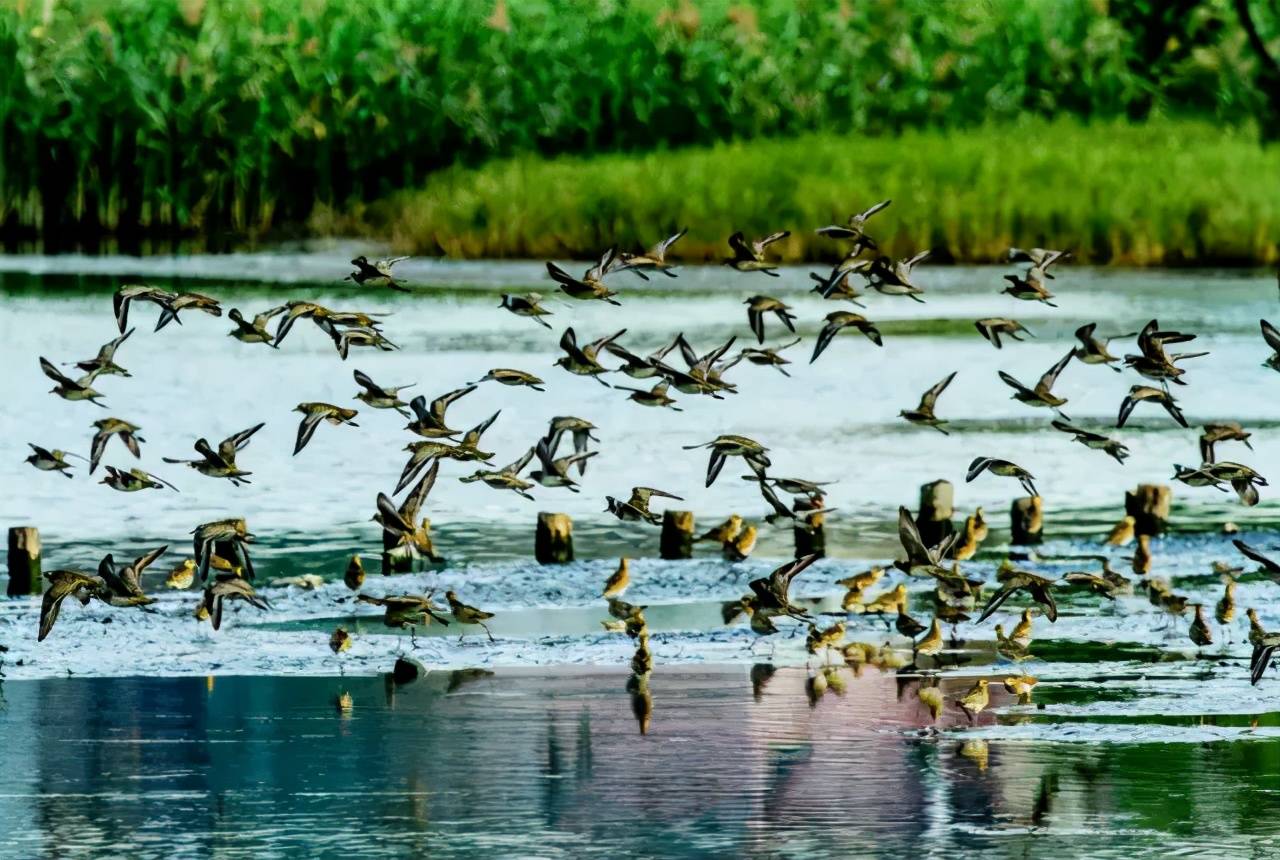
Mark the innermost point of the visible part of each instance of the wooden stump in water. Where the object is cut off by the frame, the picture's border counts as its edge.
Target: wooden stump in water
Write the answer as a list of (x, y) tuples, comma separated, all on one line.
[(553, 539), (407, 670), (937, 500), (1149, 506), (677, 535), (810, 537), (1026, 521), (24, 561)]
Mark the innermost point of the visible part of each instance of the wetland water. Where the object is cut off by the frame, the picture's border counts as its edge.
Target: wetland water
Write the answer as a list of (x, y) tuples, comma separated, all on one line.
[(1138, 744)]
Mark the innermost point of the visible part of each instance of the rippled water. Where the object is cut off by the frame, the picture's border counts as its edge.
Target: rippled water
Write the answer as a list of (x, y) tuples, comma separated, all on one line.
[(1136, 740), (520, 764)]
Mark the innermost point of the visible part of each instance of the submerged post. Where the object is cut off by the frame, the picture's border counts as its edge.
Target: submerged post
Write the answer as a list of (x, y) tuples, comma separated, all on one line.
[(24, 561), (1026, 521), (553, 539), (937, 501), (1149, 506), (677, 535)]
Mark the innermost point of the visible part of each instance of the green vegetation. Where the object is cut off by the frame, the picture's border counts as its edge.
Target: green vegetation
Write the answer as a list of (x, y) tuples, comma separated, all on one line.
[(1155, 193), (233, 117)]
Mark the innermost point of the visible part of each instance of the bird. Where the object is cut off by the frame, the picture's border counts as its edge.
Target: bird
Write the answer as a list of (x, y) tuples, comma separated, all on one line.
[(854, 228), (529, 305), (412, 539), (583, 361), (993, 327), (741, 545), (182, 575), (429, 420), (377, 273), (591, 285), (1020, 686), (1200, 633), (221, 463), (129, 293), (1272, 337), (380, 397), (1270, 569), (768, 357), (655, 396), (1224, 612), (975, 700), (134, 480), (1041, 257), (758, 306), (353, 576), (255, 331), (104, 364), (108, 427), (773, 591), (1121, 533), (1029, 288), (339, 640), (908, 626), (554, 471), (182, 301), (749, 257), (837, 285), (1038, 587), (653, 259), (124, 585), (1146, 394), (229, 588), (836, 321), (1093, 349), (427, 451), (1097, 441), (618, 580), (506, 477), (1004, 469), (464, 614), (636, 507), (1224, 431), (893, 277), (513, 378), (579, 429), (71, 389), (315, 412), (407, 611), (233, 532), (932, 642), (726, 531), (1042, 395), (920, 558), (730, 445), (924, 414), (63, 584), (50, 460)]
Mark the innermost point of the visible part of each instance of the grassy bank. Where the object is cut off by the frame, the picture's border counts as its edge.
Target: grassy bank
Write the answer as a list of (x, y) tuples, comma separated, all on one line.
[(238, 115), (1161, 193)]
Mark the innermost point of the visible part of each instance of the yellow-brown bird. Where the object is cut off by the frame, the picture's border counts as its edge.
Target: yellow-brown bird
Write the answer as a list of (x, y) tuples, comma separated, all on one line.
[(726, 531), (1142, 556), (340, 640), (741, 546), (931, 643), (354, 575), (182, 575), (931, 698), (822, 639), (975, 700), (1200, 632), (1121, 533), (619, 580), (1021, 686), (1225, 611), (1022, 631), (464, 614)]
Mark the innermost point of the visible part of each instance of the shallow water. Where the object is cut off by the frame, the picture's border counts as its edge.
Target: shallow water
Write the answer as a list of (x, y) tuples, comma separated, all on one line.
[(1137, 742), (736, 762)]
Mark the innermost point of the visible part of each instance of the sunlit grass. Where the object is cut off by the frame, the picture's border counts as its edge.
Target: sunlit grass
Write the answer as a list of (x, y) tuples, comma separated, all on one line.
[(1161, 193)]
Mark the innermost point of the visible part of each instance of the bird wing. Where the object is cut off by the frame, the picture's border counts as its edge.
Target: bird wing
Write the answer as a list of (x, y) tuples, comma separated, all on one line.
[(741, 250), (931, 396), (55, 374), (909, 535), (1270, 335), (1258, 662), (760, 244), (977, 467), (829, 331), (918, 258), (640, 495), (471, 438), (569, 343), (1251, 553), (307, 429), (1085, 333), (1051, 375), (518, 466), (996, 600), (601, 267), (874, 209), (392, 519), (145, 560), (774, 502), (108, 350), (363, 380), (228, 447), (441, 403), (414, 501), (560, 276), (595, 346), (659, 251)]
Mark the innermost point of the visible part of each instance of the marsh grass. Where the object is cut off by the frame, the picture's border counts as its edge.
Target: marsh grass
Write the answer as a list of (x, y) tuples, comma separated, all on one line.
[(238, 116), (1161, 193)]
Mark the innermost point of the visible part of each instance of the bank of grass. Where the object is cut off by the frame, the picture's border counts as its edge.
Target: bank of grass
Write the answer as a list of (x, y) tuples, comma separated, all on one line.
[(1165, 193)]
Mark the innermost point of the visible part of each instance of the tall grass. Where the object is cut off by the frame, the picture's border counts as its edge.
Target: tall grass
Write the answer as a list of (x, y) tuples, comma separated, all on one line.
[(234, 115), (1156, 193)]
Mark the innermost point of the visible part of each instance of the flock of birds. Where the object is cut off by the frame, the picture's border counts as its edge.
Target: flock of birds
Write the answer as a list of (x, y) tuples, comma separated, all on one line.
[(221, 561)]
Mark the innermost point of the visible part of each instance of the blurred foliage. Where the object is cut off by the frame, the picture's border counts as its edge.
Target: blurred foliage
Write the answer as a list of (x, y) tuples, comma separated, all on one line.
[(1161, 192), (228, 116)]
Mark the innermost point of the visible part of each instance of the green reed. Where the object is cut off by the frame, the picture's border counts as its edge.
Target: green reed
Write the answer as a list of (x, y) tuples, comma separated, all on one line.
[(231, 116)]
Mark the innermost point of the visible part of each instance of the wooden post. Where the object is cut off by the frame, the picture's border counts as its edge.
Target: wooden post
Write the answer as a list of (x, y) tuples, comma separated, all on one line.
[(677, 535), (810, 537), (1026, 521), (24, 561), (937, 500), (1149, 506), (553, 539)]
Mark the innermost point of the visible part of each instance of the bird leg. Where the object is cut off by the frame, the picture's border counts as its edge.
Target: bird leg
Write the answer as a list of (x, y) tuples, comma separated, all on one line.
[(487, 632)]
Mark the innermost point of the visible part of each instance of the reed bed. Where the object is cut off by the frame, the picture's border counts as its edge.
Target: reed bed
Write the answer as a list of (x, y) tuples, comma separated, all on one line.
[(236, 116), (1160, 193)]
